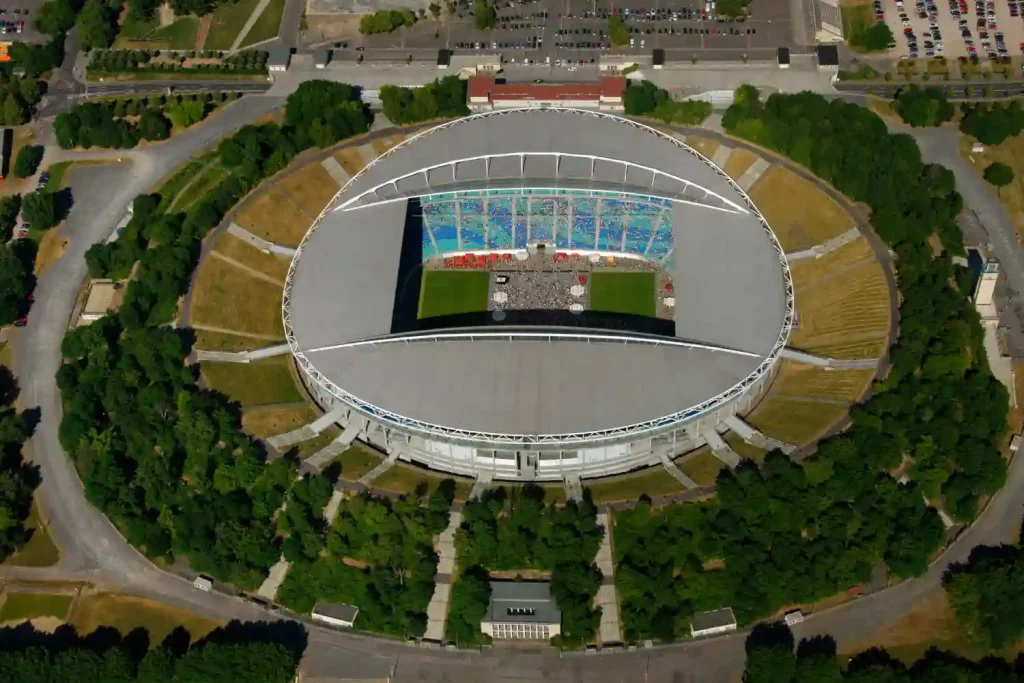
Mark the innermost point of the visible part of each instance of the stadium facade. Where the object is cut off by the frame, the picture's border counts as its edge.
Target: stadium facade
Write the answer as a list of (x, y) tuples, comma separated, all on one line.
[(537, 398)]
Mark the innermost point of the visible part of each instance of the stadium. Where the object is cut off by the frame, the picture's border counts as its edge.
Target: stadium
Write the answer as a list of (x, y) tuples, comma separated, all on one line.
[(535, 294)]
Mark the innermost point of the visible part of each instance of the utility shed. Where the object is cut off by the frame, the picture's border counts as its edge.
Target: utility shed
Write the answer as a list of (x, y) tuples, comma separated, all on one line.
[(522, 611), (712, 623)]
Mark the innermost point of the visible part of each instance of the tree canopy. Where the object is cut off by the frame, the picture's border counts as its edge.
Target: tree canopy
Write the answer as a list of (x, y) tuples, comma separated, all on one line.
[(992, 122), (923, 107), (28, 160), (386, 21), (646, 99), (18, 479), (877, 36), (998, 174), (97, 24), (445, 97)]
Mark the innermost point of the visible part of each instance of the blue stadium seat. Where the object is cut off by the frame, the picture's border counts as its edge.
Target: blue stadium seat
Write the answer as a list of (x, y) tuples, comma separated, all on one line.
[(610, 236), (583, 232), (521, 232)]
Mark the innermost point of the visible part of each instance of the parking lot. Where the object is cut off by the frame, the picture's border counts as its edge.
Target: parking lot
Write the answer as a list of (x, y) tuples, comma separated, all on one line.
[(954, 28), (18, 17), (574, 32)]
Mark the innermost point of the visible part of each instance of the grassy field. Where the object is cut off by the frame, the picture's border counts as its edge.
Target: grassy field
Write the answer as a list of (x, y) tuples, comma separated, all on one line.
[(851, 305), (382, 145), (799, 380), (266, 422), (744, 449), (623, 292), (230, 298), (228, 20), (149, 35), (127, 612), (198, 186), (183, 175), (34, 605), (402, 478), (39, 551), (311, 187), (871, 346), (702, 145), (279, 217), (795, 422), (243, 252), (267, 25), (739, 161), (1011, 153), (809, 270), (654, 481), (357, 461), (799, 213), (448, 292), (350, 160), (253, 384), (857, 16), (703, 467), (218, 341)]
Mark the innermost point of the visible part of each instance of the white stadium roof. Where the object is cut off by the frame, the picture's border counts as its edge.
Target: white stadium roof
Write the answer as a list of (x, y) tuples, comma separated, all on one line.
[(499, 385)]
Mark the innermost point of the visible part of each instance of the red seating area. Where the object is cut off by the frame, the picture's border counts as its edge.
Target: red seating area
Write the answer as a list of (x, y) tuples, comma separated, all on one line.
[(475, 260)]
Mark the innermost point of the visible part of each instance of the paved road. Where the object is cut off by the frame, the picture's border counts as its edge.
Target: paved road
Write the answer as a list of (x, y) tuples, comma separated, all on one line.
[(288, 35), (94, 551)]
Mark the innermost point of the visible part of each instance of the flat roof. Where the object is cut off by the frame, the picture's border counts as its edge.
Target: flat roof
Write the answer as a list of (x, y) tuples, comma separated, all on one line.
[(828, 55), (335, 610), (717, 619), (486, 87), (729, 288), (522, 602)]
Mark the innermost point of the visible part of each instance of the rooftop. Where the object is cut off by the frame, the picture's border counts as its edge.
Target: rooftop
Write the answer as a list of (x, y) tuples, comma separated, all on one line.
[(717, 619), (485, 87), (522, 602), (336, 611)]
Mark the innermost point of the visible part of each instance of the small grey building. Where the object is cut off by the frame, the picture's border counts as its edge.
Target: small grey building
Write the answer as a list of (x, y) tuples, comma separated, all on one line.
[(335, 614), (711, 623), (522, 611), (321, 58), (278, 59)]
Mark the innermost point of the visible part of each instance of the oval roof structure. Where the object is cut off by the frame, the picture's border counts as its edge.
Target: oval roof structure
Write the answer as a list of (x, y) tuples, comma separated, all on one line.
[(517, 385)]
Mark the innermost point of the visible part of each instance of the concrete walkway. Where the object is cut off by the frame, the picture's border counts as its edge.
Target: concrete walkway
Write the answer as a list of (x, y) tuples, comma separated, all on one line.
[(829, 363), (720, 449), (268, 589), (380, 469), (820, 250), (263, 245), (606, 599), (573, 487), (676, 473), (437, 610), (482, 483), (335, 170), (249, 23), (306, 432), (242, 356), (751, 175), (756, 438)]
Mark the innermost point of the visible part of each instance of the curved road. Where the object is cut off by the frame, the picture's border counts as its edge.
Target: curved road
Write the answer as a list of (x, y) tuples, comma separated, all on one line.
[(93, 550)]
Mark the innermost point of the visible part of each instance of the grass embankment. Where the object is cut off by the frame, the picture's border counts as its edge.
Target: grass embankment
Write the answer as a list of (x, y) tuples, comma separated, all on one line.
[(1011, 153), (19, 606), (284, 213), (623, 292), (40, 550), (357, 461), (263, 382), (800, 214), (450, 292), (402, 478), (653, 481), (230, 298), (267, 25), (127, 612), (149, 35), (227, 21), (703, 467)]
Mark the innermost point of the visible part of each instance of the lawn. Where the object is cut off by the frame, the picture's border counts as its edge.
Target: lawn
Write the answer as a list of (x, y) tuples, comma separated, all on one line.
[(197, 186), (799, 212), (703, 467), (33, 605), (39, 551), (654, 481), (702, 145), (857, 16), (809, 270), (311, 447), (350, 159), (183, 175), (274, 216), (800, 380), (229, 298), (739, 161), (57, 173), (310, 188), (149, 35), (267, 422), (623, 292), (267, 25), (356, 461), (218, 341), (450, 292), (253, 384), (228, 20), (794, 421), (744, 449), (402, 478), (852, 303), (243, 252), (127, 612)]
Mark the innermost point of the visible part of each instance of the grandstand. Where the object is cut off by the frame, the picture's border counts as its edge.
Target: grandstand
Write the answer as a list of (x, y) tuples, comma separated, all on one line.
[(544, 208)]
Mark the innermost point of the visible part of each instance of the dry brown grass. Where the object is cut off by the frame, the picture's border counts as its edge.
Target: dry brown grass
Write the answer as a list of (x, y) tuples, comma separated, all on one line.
[(852, 303), (794, 421), (217, 341), (800, 380), (872, 346), (1011, 153), (51, 248), (744, 449), (227, 297), (127, 612), (350, 159), (800, 214), (810, 270), (246, 254), (311, 188), (266, 422), (382, 145), (274, 216), (702, 145), (739, 161)]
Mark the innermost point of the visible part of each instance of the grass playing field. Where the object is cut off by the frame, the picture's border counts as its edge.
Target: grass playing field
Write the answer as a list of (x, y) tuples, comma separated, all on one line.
[(449, 292), (623, 292)]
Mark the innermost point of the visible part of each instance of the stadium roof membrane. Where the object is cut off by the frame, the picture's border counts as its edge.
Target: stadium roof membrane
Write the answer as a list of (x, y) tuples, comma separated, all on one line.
[(733, 297)]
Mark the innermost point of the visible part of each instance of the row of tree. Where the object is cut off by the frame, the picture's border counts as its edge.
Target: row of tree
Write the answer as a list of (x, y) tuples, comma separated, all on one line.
[(516, 531), (445, 97), (165, 459), (140, 61), (386, 21), (252, 652), (380, 557), (18, 479), (18, 97), (924, 107), (992, 122), (787, 533), (646, 99)]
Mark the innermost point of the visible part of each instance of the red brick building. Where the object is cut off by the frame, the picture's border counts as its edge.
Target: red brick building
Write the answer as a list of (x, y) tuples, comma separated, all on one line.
[(484, 94)]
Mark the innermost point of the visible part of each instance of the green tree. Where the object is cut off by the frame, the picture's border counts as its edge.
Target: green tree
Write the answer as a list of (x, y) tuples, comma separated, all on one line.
[(41, 209), (14, 111), (878, 36), (484, 16), (57, 16), (28, 160), (154, 126), (998, 174), (923, 107), (987, 597), (97, 24), (618, 33), (9, 209)]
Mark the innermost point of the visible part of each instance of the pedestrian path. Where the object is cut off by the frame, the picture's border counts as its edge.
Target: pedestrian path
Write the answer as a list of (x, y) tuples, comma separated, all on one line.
[(437, 610), (607, 600), (829, 363), (751, 175), (819, 250), (263, 245), (331, 509), (306, 432), (482, 483), (573, 487), (249, 23), (242, 356), (335, 170), (268, 589), (380, 469), (720, 449), (675, 472), (756, 438)]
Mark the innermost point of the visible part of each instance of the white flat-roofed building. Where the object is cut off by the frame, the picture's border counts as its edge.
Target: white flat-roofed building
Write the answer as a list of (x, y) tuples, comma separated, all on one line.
[(713, 623), (335, 614), (483, 94), (522, 611)]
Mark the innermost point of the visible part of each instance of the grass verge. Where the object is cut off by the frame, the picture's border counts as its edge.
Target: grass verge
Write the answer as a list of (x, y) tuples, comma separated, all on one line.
[(401, 478), (149, 35), (228, 20), (267, 25), (252, 384), (34, 605), (267, 422), (127, 612), (654, 481), (40, 550)]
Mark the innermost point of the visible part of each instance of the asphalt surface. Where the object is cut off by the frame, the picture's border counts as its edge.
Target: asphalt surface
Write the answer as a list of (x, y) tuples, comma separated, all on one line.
[(93, 550)]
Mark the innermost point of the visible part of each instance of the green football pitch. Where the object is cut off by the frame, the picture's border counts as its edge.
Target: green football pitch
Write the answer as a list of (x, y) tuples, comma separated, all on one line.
[(449, 292), (623, 292)]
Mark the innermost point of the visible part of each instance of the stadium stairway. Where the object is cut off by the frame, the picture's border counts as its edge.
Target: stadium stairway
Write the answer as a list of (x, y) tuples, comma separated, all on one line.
[(750, 176), (482, 483), (756, 438), (242, 356), (319, 460), (720, 449), (573, 487), (829, 363), (820, 250), (306, 432), (675, 472), (380, 469)]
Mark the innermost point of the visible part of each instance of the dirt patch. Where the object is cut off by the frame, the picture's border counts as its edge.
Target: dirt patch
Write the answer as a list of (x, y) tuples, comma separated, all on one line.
[(51, 248), (46, 624), (332, 26), (352, 562)]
